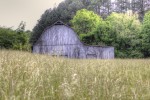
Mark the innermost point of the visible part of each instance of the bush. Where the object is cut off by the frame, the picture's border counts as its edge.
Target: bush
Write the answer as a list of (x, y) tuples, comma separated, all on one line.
[(85, 22), (11, 39), (127, 29), (146, 35)]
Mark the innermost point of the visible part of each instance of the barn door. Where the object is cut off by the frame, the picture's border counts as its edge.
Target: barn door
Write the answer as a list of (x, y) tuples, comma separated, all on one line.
[(76, 52)]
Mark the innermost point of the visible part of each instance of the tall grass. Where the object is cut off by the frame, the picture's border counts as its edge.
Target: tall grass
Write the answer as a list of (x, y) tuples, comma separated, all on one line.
[(25, 76)]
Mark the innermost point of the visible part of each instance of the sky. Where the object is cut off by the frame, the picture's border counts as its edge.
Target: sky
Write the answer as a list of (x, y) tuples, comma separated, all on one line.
[(12, 12)]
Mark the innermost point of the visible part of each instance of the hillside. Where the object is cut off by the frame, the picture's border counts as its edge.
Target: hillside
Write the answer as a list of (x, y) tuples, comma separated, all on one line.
[(25, 76)]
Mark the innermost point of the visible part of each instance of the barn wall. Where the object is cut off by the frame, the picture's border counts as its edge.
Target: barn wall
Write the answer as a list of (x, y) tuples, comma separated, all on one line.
[(108, 53), (99, 52), (70, 51), (92, 52), (77, 51)]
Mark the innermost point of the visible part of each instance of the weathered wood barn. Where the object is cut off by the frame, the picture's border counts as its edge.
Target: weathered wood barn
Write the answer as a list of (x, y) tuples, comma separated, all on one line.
[(60, 40)]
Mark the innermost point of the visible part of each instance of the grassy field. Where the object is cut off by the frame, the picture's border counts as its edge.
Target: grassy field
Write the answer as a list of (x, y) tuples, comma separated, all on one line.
[(25, 76)]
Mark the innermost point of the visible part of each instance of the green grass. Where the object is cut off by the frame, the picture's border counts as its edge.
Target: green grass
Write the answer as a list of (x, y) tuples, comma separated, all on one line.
[(25, 76)]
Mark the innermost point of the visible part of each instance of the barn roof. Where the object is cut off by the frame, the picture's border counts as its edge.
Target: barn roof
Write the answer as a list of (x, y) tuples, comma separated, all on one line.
[(56, 23), (59, 23)]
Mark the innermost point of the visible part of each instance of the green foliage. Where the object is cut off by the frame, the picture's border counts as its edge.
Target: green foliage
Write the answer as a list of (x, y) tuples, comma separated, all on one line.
[(146, 35), (85, 22), (6, 38), (127, 28), (11, 39), (104, 34), (21, 42), (88, 38)]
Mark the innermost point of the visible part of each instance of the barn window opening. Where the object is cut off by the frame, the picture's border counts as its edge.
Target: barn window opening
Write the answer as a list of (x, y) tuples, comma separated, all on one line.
[(59, 23), (91, 56)]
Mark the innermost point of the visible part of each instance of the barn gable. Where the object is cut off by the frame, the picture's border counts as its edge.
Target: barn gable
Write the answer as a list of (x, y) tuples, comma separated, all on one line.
[(61, 40), (58, 34)]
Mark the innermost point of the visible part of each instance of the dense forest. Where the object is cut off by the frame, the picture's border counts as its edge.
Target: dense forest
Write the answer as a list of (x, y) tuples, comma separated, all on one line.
[(124, 24)]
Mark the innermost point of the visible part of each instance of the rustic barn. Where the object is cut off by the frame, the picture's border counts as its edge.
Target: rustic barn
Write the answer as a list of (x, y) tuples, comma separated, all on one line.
[(61, 40)]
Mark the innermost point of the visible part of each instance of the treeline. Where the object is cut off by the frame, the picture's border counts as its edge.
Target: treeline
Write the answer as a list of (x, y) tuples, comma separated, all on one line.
[(68, 8), (15, 39)]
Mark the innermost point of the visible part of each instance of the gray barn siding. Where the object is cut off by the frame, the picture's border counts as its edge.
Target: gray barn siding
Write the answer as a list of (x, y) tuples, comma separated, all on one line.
[(99, 52), (59, 35), (60, 40)]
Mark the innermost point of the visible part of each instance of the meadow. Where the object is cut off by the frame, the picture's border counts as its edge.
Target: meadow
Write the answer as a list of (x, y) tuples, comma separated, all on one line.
[(26, 76)]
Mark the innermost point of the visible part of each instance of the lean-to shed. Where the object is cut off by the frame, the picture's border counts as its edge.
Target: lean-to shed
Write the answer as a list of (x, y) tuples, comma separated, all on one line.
[(61, 40)]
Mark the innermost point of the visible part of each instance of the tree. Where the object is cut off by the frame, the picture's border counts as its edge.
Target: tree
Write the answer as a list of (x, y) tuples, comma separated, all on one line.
[(6, 38), (127, 28), (15, 39), (21, 27), (146, 35), (122, 6), (140, 7), (104, 34), (85, 22)]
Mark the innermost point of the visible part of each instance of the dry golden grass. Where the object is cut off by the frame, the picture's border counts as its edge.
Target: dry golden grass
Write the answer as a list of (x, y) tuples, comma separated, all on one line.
[(25, 76)]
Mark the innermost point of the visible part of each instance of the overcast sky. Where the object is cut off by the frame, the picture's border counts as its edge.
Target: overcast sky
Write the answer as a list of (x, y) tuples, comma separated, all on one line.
[(12, 12)]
